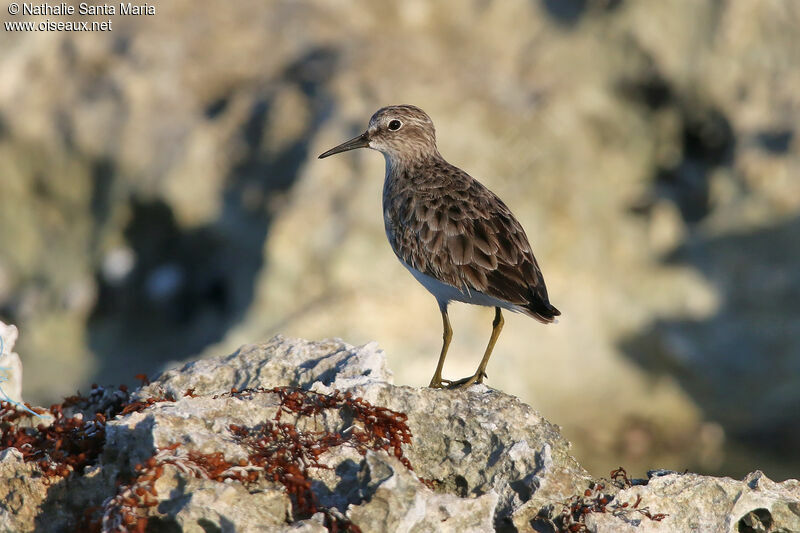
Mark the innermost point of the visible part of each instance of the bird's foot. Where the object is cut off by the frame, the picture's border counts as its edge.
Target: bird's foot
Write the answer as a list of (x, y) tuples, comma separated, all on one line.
[(440, 383), (467, 382)]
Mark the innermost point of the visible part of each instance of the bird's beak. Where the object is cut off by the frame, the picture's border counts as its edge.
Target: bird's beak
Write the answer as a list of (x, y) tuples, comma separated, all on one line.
[(362, 141)]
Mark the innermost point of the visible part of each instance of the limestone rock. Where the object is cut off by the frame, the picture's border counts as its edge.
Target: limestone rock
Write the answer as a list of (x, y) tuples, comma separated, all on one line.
[(156, 205), (472, 442), (10, 363), (400, 502), (195, 504), (280, 362), (480, 441), (701, 503), (482, 460), (682, 502), (21, 492), (484, 452)]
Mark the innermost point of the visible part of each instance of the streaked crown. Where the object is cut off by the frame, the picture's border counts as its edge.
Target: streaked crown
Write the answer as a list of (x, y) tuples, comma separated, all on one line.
[(402, 132)]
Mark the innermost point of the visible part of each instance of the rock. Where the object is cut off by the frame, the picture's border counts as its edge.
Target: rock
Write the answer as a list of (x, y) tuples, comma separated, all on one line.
[(21, 492), (315, 524), (195, 504), (485, 441), (702, 503), (399, 502), (10, 364), (616, 133), (296, 436), (485, 452), (280, 362), (685, 502), (471, 443)]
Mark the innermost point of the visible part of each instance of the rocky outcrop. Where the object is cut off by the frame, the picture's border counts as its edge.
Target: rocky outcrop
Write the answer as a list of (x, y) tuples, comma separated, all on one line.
[(161, 199), (10, 364), (294, 435), (671, 501)]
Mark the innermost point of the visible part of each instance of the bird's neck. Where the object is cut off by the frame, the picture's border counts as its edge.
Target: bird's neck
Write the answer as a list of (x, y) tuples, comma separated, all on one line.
[(400, 165)]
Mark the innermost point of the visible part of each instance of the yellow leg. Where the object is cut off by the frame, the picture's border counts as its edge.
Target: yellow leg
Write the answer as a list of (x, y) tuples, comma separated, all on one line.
[(497, 326), (447, 335)]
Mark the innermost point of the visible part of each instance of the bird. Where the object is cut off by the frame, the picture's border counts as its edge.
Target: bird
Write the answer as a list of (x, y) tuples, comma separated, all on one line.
[(455, 236)]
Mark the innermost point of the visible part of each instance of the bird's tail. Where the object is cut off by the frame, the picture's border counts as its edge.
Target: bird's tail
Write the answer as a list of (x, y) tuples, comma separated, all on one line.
[(542, 310)]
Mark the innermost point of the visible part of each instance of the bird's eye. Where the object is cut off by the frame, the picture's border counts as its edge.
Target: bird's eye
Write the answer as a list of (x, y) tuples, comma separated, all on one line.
[(394, 125)]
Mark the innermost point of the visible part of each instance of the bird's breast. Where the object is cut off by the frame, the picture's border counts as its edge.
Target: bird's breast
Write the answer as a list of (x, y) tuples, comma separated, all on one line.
[(391, 217), (390, 227)]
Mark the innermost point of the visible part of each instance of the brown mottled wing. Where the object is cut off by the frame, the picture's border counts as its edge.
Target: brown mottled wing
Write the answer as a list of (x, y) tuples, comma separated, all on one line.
[(462, 234)]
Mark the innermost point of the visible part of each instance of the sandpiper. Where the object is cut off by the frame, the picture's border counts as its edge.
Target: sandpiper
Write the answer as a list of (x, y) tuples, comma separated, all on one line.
[(455, 236)]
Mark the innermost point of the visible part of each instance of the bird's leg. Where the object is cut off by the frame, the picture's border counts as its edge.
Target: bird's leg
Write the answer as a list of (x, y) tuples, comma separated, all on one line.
[(447, 335), (497, 326)]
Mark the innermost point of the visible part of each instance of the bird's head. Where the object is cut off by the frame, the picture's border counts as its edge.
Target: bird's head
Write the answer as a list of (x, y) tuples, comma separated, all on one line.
[(400, 132)]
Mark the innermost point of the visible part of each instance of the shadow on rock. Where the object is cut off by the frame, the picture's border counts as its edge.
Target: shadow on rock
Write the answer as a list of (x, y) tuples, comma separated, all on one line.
[(568, 13), (694, 138), (189, 286), (742, 365)]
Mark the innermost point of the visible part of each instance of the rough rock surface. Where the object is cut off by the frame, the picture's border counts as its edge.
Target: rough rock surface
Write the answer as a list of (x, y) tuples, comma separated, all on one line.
[(688, 502), (21, 492), (702, 503), (481, 459), (470, 443), (161, 198), (10, 364), (400, 502)]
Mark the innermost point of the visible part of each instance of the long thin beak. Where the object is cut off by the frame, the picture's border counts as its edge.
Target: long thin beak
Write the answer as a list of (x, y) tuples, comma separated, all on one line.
[(362, 141)]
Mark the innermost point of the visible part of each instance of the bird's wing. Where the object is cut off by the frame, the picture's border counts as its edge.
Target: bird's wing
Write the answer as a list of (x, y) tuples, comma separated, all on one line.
[(465, 236)]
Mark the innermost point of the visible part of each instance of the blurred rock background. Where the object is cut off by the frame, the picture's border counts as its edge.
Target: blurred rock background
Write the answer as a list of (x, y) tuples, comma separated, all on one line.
[(160, 199)]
